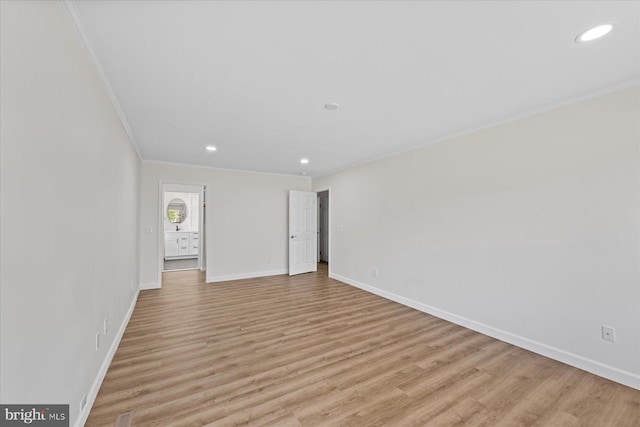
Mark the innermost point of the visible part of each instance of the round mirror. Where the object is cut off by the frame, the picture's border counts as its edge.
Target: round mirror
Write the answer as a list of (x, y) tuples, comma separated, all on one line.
[(176, 211)]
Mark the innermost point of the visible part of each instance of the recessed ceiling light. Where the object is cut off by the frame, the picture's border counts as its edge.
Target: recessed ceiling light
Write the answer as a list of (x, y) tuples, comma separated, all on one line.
[(331, 106), (211, 148), (304, 161), (594, 33)]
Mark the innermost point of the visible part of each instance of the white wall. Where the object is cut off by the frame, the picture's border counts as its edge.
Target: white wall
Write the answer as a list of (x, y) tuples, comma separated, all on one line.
[(246, 220), (68, 258), (528, 231)]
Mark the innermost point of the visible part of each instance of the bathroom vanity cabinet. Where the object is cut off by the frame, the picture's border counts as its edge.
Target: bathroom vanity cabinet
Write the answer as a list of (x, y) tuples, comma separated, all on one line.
[(179, 245)]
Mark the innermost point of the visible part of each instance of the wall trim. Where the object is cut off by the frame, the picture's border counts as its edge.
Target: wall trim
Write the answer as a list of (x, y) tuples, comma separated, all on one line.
[(566, 103), (149, 285), (95, 387), (71, 10), (164, 162), (609, 372), (215, 279)]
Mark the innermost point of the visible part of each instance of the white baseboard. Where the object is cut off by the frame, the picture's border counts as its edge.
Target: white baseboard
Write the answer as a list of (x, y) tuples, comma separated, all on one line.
[(95, 387), (614, 374), (149, 285), (214, 279)]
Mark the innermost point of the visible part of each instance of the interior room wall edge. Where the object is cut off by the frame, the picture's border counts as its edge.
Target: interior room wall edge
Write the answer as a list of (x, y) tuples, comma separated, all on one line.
[(610, 372)]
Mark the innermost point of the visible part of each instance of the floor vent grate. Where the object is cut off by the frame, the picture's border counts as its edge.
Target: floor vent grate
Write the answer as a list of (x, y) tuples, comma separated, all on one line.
[(124, 420)]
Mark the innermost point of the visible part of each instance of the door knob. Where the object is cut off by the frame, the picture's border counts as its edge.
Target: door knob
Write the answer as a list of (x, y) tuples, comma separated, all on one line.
[(293, 237)]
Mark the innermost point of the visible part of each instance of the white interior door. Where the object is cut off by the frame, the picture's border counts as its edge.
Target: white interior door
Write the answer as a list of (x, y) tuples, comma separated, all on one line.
[(303, 213)]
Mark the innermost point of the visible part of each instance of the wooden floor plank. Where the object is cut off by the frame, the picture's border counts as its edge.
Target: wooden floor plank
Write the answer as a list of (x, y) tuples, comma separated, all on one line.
[(310, 351)]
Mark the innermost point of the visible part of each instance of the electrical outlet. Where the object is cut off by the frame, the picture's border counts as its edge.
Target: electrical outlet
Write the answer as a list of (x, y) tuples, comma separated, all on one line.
[(83, 403), (97, 341), (105, 325), (608, 333), (374, 271)]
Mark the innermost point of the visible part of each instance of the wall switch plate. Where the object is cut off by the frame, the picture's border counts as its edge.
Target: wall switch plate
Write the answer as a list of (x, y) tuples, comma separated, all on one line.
[(608, 333), (97, 341), (374, 272)]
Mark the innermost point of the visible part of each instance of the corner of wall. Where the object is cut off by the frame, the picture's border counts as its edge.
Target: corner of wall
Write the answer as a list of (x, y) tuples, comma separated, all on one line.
[(609, 372), (215, 279), (104, 367)]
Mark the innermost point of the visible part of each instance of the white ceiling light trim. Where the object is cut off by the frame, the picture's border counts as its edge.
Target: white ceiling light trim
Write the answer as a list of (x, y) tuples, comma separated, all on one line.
[(332, 106), (304, 161), (594, 33), (211, 148)]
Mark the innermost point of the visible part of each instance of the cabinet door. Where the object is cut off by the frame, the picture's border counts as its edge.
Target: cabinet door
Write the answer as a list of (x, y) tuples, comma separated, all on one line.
[(194, 244), (171, 245), (183, 240)]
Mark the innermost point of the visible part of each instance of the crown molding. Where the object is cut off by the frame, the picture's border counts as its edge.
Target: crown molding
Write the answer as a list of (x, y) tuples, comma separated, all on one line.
[(71, 10)]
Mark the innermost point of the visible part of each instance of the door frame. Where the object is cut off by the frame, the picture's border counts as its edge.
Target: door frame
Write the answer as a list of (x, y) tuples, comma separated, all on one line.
[(160, 224), (320, 190)]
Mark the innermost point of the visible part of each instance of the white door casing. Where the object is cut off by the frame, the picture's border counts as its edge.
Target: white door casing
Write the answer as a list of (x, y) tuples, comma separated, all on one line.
[(168, 186), (323, 221), (302, 232)]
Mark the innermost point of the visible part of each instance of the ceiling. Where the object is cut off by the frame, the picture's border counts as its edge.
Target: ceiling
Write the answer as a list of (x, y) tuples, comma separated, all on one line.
[(252, 78)]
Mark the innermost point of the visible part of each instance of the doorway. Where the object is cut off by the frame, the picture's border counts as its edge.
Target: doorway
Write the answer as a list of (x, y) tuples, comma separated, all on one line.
[(182, 221), (309, 232), (323, 226)]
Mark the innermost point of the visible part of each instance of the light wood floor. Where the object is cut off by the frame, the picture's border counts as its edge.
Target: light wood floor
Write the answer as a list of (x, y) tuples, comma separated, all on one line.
[(312, 351)]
